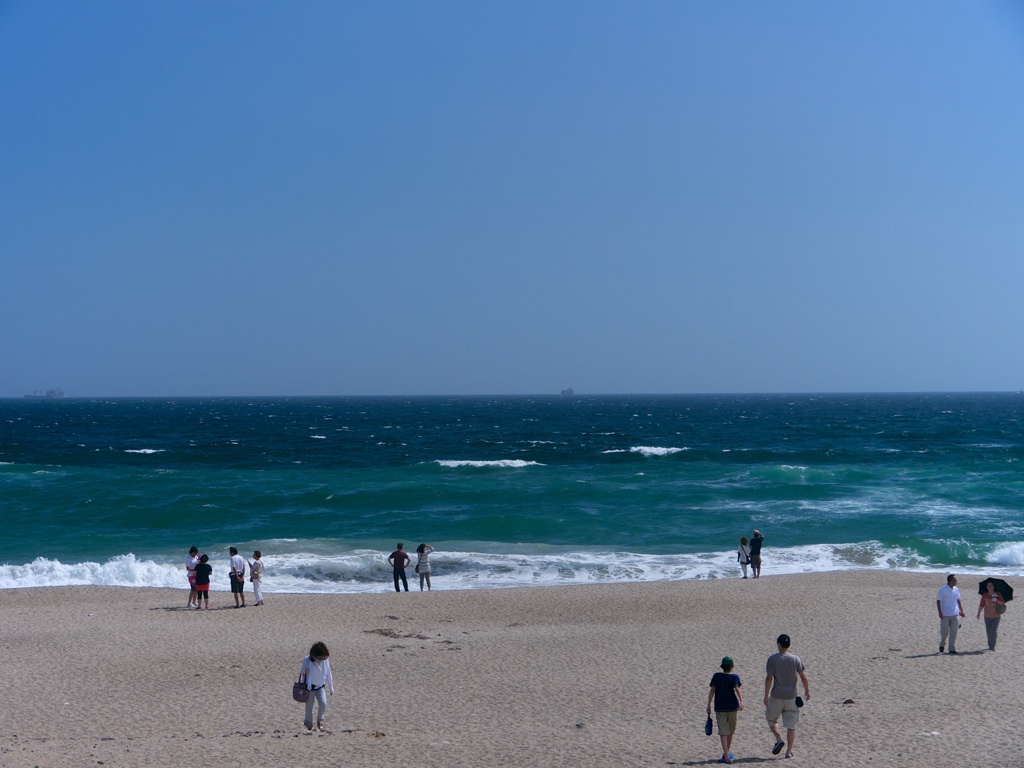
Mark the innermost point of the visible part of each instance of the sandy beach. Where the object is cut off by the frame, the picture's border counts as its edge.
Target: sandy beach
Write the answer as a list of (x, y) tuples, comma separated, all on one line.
[(613, 675)]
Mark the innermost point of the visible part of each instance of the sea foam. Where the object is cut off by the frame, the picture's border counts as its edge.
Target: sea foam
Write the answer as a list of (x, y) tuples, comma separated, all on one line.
[(503, 463), (367, 570)]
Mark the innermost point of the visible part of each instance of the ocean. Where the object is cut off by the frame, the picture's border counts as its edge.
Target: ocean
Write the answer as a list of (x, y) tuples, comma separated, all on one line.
[(511, 491)]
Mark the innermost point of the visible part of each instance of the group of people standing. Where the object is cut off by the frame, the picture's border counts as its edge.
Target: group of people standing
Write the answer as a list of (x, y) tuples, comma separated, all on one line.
[(399, 560), (749, 553), (784, 670), (199, 572)]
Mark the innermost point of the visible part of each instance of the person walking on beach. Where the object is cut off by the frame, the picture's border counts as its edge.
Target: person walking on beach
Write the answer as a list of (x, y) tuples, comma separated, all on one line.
[(780, 699), (755, 553), (203, 571), (743, 555), (190, 568), (237, 577), (989, 602), (256, 577), (423, 564), (725, 690), (950, 612), (398, 560), (315, 672)]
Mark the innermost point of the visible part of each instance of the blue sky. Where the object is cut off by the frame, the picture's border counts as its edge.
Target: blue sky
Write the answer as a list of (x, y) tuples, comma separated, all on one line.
[(473, 198)]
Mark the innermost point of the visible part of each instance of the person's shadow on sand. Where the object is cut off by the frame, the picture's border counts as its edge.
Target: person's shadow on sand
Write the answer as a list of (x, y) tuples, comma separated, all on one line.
[(181, 609), (932, 655), (715, 761)]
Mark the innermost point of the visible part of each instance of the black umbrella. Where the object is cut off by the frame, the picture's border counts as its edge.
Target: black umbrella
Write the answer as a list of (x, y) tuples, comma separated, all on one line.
[(1002, 588)]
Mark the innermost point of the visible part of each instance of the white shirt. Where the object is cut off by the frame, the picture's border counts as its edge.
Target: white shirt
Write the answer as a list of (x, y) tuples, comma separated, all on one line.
[(949, 599), (191, 562), (317, 674), (238, 563)]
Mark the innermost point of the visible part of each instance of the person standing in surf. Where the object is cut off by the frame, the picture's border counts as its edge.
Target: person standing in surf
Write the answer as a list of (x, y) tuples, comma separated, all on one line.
[(190, 568), (755, 554), (398, 560), (423, 564), (256, 577), (743, 555)]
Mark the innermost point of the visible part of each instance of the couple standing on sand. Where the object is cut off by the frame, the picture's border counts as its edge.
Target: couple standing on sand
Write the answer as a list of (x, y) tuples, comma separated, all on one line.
[(398, 560), (784, 669), (749, 553)]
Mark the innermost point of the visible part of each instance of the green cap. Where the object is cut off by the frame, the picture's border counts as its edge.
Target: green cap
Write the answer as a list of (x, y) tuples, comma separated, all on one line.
[(727, 662)]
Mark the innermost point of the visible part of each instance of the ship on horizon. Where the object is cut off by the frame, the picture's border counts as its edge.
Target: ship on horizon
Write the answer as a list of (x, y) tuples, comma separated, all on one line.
[(50, 394)]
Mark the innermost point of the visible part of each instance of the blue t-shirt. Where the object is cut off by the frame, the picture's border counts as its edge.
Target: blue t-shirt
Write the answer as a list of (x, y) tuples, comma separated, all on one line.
[(725, 686)]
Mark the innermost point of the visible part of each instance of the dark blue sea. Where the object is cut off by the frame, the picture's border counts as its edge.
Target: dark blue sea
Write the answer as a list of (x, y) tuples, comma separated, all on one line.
[(511, 491)]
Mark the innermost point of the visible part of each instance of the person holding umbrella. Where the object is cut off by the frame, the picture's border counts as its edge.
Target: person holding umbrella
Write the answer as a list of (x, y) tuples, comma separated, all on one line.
[(993, 603)]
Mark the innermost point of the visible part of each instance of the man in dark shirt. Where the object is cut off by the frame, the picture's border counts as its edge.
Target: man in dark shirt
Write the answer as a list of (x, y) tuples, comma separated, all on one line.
[(398, 560), (725, 690), (755, 553)]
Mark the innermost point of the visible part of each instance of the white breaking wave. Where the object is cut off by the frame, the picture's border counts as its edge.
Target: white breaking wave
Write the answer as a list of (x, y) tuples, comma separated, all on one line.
[(120, 571), (647, 450), (503, 463), (1007, 555), (144, 450), (367, 571)]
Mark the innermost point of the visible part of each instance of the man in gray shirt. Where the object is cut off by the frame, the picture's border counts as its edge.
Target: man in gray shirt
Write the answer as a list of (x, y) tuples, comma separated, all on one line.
[(780, 699)]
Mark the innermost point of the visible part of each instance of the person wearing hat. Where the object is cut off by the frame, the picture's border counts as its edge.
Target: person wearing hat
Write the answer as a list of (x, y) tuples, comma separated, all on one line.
[(755, 554), (725, 690), (780, 699)]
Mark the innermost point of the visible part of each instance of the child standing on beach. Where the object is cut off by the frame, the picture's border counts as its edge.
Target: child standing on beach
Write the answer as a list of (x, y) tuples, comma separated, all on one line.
[(725, 690), (256, 576), (203, 571)]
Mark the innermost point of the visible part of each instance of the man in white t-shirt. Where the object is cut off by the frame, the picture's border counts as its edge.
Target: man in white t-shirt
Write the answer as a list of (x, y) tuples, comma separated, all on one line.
[(237, 577), (950, 613)]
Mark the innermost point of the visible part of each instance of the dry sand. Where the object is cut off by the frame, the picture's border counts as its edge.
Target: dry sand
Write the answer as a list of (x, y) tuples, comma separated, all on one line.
[(596, 675)]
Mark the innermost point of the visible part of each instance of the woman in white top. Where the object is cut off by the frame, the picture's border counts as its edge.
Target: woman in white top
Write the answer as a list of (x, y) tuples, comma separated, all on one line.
[(256, 576), (316, 674), (423, 564), (190, 568), (743, 554)]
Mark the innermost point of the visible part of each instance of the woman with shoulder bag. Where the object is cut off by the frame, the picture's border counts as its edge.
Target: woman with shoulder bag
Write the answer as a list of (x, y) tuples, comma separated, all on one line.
[(743, 554), (994, 606), (423, 564), (315, 673)]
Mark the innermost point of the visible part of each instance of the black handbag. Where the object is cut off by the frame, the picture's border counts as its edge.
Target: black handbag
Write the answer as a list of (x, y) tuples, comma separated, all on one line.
[(299, 691)]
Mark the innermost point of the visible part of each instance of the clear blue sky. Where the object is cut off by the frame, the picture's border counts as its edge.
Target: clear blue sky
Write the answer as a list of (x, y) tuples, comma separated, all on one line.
[(257, 198)]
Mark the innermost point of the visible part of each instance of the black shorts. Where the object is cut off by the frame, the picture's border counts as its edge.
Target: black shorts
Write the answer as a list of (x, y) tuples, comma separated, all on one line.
[(237, 584)]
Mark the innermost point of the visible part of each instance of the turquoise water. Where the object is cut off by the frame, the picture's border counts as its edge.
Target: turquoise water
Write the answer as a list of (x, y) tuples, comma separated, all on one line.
[(511, 491)]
